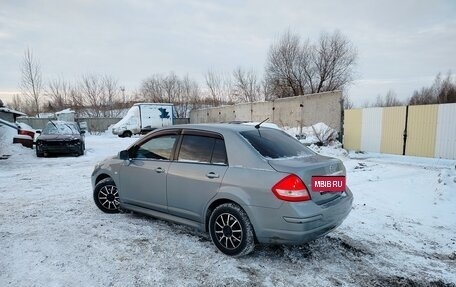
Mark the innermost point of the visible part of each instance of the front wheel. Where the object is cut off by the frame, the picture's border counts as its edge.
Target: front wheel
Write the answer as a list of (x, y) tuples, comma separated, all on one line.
[(106, 196), (81, 150), (231, 231), (39, 153)]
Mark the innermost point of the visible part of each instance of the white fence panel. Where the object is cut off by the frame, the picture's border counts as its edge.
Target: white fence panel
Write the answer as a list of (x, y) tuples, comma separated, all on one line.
[(371, 135), (445, 142)]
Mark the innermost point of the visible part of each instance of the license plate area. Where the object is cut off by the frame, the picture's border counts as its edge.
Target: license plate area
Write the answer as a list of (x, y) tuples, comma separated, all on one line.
[(328, 183)]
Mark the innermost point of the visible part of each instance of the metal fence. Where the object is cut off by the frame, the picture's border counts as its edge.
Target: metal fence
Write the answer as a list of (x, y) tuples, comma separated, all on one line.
[(428, 131)]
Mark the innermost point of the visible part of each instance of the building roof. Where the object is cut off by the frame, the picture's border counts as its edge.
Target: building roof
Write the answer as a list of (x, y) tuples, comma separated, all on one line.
[(10, 111)]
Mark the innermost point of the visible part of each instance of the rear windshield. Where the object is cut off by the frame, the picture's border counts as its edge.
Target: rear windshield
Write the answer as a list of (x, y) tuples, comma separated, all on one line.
[(273, 143)]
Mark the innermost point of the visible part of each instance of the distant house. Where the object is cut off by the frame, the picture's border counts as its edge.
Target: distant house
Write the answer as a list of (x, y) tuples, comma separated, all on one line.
[(9, 115)]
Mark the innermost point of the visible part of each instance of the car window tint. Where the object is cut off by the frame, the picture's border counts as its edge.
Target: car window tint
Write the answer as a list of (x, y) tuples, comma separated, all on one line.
[(272, 143), (196, 149), (219, 153), (157, 148)]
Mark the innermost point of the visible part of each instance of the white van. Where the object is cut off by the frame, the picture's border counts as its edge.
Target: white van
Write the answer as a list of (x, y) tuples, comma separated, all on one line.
[(143, 118)]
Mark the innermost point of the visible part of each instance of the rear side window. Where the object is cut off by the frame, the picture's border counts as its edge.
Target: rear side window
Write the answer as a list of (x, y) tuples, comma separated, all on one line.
[(219, 154), (202, 149), (272, 143)]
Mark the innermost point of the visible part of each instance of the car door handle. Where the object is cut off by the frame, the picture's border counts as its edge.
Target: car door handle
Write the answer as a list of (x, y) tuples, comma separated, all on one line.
[(212, 175), (159, 170)]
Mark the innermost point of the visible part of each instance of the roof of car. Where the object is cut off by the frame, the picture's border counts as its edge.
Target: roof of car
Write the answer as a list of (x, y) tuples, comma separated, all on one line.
[(220, 127)]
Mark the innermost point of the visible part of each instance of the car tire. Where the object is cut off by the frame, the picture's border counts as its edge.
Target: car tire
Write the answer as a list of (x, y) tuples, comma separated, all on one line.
[(38, 152), (127, 134), (106, 196), (81, 150), (230, 230)]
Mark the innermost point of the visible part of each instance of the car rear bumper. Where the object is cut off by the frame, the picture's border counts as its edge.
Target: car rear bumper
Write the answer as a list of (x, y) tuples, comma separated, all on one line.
[(297, 223)]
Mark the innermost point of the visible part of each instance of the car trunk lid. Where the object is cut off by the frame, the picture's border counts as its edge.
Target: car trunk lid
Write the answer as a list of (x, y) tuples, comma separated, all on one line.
[(306, 167)]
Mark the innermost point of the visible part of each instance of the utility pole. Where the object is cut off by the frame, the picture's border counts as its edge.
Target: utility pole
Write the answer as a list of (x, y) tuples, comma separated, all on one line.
[(122, 89)]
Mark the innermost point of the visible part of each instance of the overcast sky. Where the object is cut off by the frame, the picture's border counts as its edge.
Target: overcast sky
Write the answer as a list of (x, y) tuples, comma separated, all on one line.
[(402, 45)]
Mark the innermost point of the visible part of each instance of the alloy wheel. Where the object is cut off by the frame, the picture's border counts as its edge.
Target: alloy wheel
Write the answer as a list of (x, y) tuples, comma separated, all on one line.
[(228, 231), (108, 196)]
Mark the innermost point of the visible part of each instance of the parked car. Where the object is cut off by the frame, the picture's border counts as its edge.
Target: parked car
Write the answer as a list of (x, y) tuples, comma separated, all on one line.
[(59, 137), (241, 183)]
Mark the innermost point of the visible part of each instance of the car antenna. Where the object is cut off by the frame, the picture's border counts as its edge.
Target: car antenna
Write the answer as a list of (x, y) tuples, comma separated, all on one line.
[(257, 126)]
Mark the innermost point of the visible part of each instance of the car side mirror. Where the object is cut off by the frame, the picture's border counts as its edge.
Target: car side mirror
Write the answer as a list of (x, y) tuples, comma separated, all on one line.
[(38, 132), (124, 155), (82, 132)]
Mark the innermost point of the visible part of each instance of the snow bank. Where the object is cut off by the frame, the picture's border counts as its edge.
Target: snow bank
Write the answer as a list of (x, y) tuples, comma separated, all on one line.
[(6, 139), (320, 134)]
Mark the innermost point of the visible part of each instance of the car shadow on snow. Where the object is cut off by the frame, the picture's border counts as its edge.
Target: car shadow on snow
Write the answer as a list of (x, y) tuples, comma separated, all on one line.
[(334, 249), (324, 248)]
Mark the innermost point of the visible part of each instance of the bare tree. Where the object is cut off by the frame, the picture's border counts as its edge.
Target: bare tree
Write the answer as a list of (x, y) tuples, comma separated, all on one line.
[(59, 92), (220, 87), (425, 96), (334, 60), (183, 93), (189, 97), (440, 92), (31, 80), (296, 67), (91, 89), (390, 100), (171, 87), (246, 86), (17, 103), (446, 89), (111, 98), (287, 66), (151, 89), (347, 103)]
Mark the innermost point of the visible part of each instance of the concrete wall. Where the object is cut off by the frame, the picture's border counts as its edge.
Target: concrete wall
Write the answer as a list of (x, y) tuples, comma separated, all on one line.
[(290, 112), (93, 124)]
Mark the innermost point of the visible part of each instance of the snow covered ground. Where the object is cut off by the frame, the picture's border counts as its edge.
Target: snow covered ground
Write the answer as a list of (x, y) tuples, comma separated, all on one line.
[(401, 232)]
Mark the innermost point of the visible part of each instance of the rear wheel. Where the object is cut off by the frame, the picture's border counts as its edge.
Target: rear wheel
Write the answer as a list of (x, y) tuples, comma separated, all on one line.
[(106, 196), (231, 231), (126, 134)]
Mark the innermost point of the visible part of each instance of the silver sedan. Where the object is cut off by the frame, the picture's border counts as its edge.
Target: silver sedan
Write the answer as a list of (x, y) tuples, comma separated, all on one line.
[(243, 184)]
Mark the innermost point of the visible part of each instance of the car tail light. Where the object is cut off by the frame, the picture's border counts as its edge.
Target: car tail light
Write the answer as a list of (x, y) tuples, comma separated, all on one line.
[(291, 188)]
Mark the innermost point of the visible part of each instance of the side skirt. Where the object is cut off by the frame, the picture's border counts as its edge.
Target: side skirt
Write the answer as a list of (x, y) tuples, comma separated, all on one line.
[(164, 216)]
